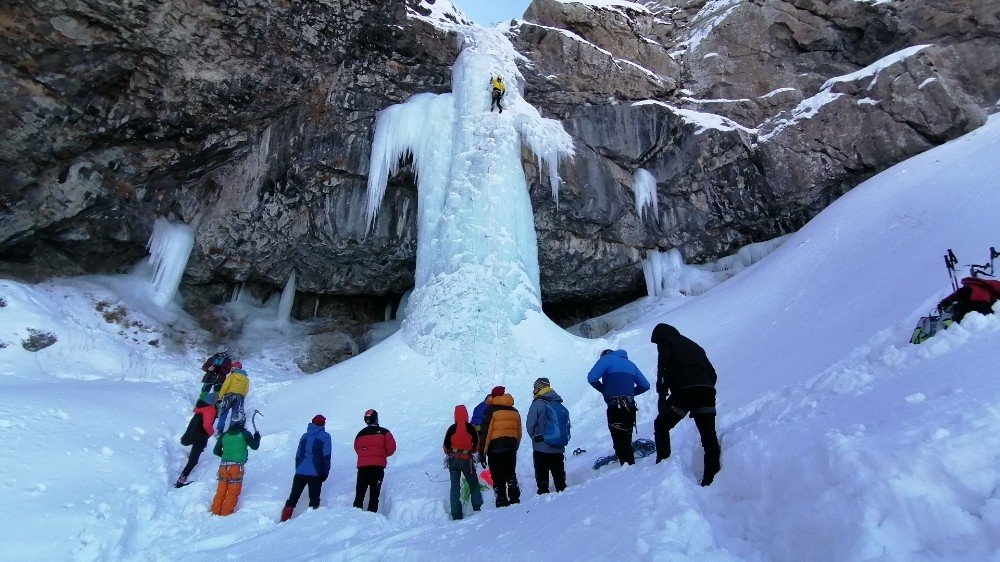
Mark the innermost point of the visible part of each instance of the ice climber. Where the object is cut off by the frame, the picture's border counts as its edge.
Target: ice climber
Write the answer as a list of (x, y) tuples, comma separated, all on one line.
[(499, 88), (196, 436), (374, 445), (501, 437), (233, 448), (620, 381), (312, 465), (216, 369), (548, 425), (685, 382), (232, 395), (460, 441)]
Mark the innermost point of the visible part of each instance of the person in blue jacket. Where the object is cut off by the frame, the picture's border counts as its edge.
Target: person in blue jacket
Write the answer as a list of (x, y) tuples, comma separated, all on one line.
[(312, 465), (620, 381), (479, 414)]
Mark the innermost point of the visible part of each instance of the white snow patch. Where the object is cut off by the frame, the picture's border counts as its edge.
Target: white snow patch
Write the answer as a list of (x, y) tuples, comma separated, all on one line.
[(701, 120), (926, 82), (874, 68), (806, 109)]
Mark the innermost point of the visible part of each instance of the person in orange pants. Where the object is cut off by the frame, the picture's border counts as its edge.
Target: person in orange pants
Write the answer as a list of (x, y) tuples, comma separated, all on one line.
[(233, 447)]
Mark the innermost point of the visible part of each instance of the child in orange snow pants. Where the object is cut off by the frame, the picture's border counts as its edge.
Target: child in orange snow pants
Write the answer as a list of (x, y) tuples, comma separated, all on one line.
[(228, 491)]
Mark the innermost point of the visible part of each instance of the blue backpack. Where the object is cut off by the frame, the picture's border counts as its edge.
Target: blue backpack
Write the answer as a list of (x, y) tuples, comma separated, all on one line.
[(555, 430)]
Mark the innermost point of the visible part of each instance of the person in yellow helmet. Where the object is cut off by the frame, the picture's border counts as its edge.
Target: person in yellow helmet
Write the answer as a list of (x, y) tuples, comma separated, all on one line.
[(498, 90)]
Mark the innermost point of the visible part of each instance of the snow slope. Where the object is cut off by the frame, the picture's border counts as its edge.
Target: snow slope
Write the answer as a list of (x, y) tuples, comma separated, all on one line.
[(840, 441)]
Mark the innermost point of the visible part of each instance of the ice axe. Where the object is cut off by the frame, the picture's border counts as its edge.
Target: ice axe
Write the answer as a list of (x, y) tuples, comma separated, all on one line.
[(253, 420)]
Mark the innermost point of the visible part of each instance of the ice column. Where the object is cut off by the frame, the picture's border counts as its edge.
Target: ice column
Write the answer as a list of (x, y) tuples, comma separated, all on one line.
[(644, 187), (169, 249), (477, 255), (287, 300)]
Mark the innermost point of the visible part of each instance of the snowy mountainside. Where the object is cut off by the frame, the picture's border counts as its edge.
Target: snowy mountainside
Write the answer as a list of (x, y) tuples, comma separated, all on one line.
[(840, 441)]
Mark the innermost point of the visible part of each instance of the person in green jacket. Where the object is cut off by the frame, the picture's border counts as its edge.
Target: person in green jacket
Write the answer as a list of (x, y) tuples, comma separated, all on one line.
[(233, 446)]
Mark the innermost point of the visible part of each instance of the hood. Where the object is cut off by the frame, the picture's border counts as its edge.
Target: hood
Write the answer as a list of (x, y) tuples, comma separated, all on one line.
[(663, 332), (313, 429), (548, 394), (619, 353), (461, 415), (238, 372), (505, 400)]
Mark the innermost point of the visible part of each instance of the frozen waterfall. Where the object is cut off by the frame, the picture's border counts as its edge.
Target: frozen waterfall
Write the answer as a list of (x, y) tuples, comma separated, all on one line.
[(169, 249), (287, 300), (477, 256)]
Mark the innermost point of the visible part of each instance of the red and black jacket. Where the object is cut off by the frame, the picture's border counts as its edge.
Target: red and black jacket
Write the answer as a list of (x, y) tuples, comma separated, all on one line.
[(374, 446)]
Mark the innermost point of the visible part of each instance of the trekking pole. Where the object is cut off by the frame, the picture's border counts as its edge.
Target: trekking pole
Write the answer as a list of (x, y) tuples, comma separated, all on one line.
[(950, 261), (253, 420)]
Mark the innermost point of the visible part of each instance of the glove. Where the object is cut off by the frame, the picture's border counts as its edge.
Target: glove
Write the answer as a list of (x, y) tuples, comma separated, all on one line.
[(256, 435), (537, 439)]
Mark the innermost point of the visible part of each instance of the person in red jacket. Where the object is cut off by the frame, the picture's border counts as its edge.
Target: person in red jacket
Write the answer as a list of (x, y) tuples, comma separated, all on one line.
[(374, 446), (198, 431)]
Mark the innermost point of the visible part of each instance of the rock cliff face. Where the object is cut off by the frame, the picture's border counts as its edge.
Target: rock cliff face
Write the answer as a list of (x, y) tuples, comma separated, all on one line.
[(251, 120)]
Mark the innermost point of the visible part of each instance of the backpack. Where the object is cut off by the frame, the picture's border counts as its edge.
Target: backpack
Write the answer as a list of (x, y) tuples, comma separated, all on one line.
[(555, 429)]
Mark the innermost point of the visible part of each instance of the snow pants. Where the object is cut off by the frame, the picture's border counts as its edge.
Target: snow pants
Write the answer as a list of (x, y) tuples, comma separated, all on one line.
[(457, 468), (299, 483), (621, 422), (497, 97), (503, 466), (230, 486), (369, 480), (230, 403), (699, 403), (196, 450), (546, 463)]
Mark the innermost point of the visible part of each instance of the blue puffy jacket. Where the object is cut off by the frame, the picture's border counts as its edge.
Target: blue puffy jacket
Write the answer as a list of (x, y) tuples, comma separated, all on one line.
[(478, 413), (614, 375), (313, 455)]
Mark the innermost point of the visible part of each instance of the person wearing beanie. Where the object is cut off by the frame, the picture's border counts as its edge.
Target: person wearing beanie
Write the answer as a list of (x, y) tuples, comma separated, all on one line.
[(685, 383), (199, 429), (501, 437), (374, 445), (216, 369), (232, 394), (548, 425), (233, 448), (620, 381), (312, 465)]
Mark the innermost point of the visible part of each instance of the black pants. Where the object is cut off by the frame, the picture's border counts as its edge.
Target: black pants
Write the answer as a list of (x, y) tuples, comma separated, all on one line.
[(554, 463), (699, 401), (503, 468), (370, 480), (299, 483), (196, 449), (497, 96), (621, 421)]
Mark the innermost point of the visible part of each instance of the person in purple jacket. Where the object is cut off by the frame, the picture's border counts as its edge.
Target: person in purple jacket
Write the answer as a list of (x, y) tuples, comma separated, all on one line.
[(620, 381)]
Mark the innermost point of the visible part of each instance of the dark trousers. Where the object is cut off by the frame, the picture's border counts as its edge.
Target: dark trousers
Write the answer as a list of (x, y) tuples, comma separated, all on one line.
[(621, 421), (699, 403), (196, 449), (497, 96), (546, 463), (299, 482), (503, 468), (370, 480)]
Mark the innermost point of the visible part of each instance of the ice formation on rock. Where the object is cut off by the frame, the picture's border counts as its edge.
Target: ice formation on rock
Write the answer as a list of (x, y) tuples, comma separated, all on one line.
[(666, 273), (169, 249), (287, 300), (477, 256), (644, 188)]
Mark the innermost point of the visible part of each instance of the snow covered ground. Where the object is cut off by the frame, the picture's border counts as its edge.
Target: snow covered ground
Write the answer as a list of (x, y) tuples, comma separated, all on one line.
[(840, 440)]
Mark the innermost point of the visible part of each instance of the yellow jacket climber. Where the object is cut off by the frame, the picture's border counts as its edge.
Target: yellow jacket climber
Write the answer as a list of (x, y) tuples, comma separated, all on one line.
[(498, 90)]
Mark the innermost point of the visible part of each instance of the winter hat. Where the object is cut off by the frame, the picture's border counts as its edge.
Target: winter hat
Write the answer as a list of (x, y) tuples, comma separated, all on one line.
[(237, 365), (498, 391), (319, 420), (371, 417), (540, 383)]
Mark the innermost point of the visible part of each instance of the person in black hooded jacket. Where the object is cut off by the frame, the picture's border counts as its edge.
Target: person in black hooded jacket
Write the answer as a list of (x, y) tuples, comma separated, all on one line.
[(685, 382)]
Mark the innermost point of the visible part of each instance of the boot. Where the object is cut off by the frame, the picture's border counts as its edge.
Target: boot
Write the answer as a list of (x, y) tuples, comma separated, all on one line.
[(181, 481), (286, 513), (712, 467)]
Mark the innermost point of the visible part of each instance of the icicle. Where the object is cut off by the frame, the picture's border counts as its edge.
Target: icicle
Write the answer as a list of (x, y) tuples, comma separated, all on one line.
[(644, 188), (169, 249), (287, 300)]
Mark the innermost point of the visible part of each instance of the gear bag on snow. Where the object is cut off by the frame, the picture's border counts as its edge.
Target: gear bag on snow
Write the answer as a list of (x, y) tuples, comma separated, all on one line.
[(555, 430), (974, 295)]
